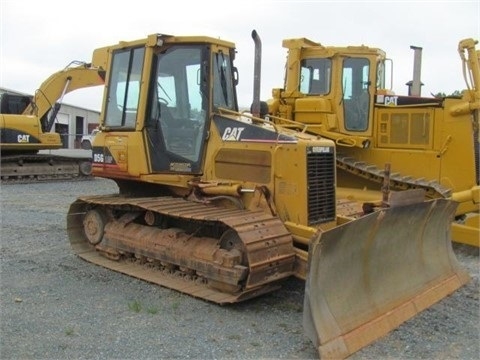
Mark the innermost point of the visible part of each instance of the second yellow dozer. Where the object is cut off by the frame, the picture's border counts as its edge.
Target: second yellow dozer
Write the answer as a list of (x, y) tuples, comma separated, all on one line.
[(224, 206), (432, 143)]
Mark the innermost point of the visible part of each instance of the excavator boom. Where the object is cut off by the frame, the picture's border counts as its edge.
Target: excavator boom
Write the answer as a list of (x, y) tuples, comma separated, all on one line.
[(50, 94)]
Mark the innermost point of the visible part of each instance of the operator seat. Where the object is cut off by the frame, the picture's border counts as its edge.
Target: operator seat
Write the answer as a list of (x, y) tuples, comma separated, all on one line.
[(166, 117)]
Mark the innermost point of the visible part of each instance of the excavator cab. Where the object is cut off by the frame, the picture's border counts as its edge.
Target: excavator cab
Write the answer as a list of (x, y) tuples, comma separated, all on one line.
[(13, 104)]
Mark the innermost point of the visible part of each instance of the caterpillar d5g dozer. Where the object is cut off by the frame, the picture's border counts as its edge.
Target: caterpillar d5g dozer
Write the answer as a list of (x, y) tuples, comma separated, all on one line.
[(224, 206), (26, 125), (341, 93)]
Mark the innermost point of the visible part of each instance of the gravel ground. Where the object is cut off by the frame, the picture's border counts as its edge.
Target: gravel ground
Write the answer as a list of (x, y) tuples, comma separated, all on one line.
[(57, 306)]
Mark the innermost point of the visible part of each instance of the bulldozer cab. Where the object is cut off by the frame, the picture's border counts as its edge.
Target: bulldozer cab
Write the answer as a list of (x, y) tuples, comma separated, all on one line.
[(316, 80), (172, 107), (331, 86)]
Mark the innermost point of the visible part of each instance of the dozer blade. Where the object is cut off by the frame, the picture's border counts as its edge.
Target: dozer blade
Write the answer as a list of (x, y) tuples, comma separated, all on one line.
[(368, 276)]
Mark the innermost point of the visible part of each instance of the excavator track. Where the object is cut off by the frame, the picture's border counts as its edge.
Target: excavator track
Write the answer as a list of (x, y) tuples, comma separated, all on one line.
[(43, 167), (227, 255), (433, 189)]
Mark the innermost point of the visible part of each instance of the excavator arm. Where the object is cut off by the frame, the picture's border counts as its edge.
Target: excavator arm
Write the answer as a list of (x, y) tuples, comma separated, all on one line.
[(471, 65), (57, 85), (471, 73)]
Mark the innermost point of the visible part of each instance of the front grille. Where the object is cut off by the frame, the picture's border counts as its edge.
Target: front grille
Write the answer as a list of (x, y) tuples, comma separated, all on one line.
[(320, 184)]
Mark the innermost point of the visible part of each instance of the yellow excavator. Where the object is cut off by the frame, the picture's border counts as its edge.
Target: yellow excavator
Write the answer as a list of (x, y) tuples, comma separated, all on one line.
[(431, 143), (26, 124), (224, 206)]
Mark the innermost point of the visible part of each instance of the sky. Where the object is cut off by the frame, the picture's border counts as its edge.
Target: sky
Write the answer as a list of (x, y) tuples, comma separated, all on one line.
[(40, 37)]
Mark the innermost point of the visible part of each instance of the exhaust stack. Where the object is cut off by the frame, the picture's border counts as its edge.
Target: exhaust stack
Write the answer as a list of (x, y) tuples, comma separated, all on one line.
[(415, 85), (256, 74)]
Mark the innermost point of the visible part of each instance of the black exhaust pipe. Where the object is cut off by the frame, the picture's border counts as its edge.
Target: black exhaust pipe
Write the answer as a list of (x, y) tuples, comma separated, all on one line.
[(255, 109)]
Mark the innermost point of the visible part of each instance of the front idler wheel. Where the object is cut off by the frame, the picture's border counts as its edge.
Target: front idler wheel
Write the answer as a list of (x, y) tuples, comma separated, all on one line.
[(94, 226), (230, 241), (85, 168)]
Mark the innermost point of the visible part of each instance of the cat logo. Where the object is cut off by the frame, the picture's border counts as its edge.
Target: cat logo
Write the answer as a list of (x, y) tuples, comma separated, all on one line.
[(23, 138), (387, 100), (232, 133), (391, 100)]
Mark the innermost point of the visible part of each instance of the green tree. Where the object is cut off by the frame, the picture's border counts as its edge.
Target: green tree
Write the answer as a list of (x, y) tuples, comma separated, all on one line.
[(456, 93)]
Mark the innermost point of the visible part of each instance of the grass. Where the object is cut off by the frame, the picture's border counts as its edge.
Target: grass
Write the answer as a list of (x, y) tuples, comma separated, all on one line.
[(152, 310), (135, 306)]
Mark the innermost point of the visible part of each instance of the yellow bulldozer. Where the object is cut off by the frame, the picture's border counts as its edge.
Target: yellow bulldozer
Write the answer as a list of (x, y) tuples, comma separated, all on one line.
[(431, 143), (224, 206)]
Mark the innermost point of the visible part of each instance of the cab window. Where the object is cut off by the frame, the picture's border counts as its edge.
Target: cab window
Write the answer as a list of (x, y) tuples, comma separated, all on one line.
[(315, 76), (356, 96), (124, 88), (223, 82)]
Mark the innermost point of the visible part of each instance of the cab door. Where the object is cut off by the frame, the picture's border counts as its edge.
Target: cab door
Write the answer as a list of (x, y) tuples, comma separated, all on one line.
[(356, 96), (177, 110)]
